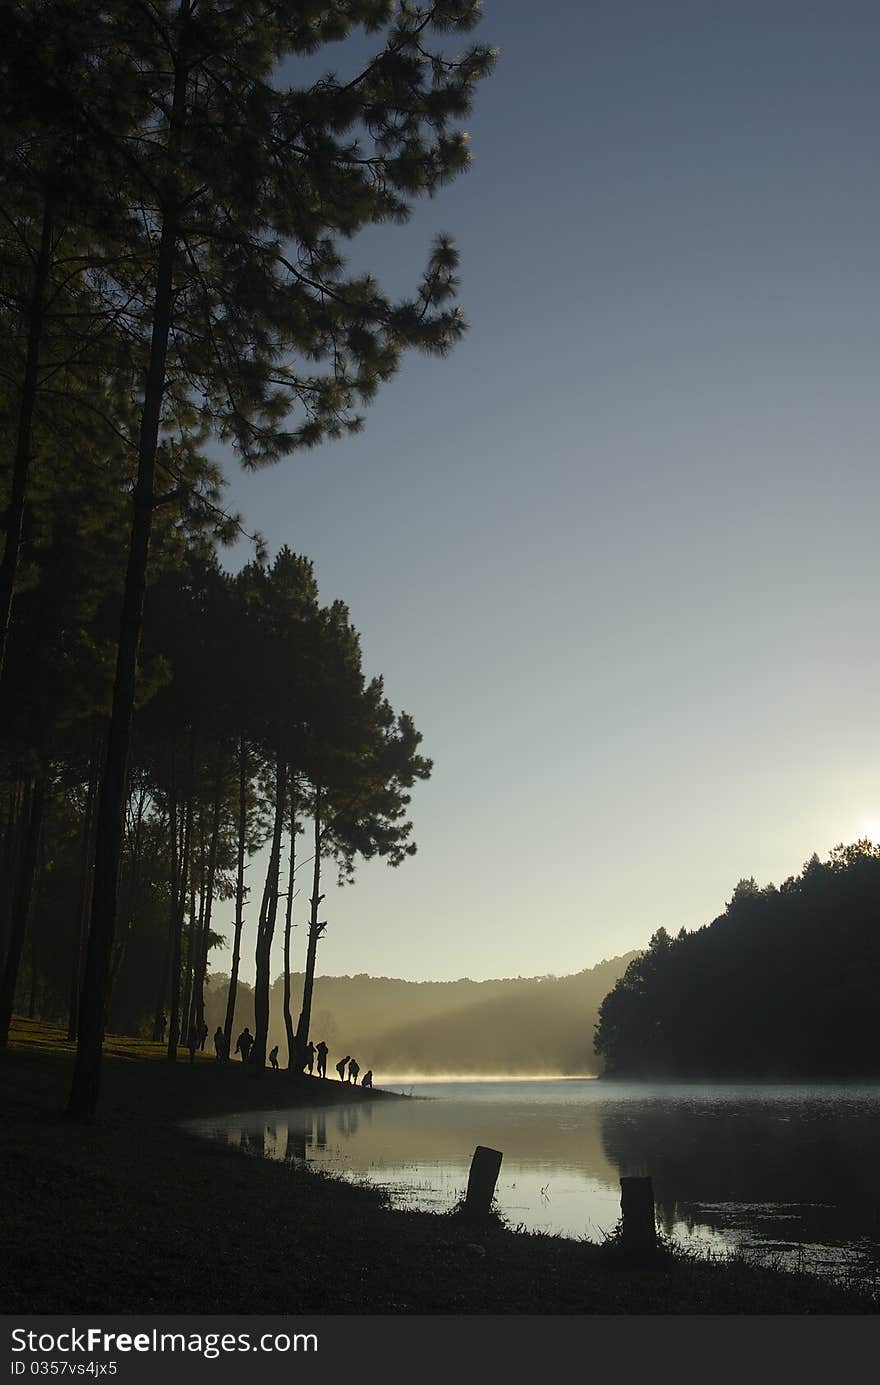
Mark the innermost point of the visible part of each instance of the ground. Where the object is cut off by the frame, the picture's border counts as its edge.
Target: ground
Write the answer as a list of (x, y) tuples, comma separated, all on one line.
[(132, 1214)]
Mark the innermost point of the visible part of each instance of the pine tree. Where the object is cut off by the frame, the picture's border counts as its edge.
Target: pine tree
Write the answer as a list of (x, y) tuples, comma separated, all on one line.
[(62, 77), (361, 759), (245, 187)]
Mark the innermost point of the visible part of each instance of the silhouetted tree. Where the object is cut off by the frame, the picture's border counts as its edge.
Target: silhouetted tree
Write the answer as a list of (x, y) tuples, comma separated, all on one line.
[(782, 984), (63, 76), (361, 759), (246, 282)]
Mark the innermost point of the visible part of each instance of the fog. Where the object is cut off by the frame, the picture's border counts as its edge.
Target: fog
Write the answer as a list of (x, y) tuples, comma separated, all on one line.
[(535, 1027)]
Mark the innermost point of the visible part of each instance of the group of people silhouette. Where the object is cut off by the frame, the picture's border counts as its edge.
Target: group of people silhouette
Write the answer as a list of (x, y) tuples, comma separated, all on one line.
[(195, 1039), (354, 1068), (314, 1054)]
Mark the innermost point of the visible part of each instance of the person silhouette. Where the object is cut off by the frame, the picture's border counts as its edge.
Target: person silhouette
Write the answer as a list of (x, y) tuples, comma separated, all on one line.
[(354, 1068), (192, 1042), (367, 1079), (163, 1025), (204, 1036), (321, 1050), (219, 1043), (310, 1057), (273, 1057), (244, 1043), (340, 1067)]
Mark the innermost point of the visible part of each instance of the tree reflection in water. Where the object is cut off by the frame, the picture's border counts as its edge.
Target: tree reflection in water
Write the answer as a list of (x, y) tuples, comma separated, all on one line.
[(779, 1167)]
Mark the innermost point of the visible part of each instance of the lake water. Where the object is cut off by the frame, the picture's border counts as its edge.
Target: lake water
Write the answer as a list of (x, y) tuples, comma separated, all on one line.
[(787, 1173)]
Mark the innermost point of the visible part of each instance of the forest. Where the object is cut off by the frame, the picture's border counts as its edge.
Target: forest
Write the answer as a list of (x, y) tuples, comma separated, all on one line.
[(173, 294), (782, 985), (260, 719)]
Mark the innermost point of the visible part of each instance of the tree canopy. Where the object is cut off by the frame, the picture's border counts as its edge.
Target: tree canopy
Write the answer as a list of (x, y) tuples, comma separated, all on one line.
[(178, 194), (782, 984)]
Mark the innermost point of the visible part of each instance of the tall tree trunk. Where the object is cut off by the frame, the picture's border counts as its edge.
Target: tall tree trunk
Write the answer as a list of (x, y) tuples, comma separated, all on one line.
[(27, 869), (268, 914), (191, 945), (196, 936), (239, 893), (162, 998), (202, 958), (32, 990), (84, 1091), (288, 928), (34, 1009), (22, 462), (11, 837), (174, 1029), (85, 881), (160, 1031), (315, 931), (131, 897), (165, 976)]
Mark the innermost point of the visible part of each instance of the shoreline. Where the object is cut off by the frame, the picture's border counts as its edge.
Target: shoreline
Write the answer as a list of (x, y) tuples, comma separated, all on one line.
[(135, 1214)]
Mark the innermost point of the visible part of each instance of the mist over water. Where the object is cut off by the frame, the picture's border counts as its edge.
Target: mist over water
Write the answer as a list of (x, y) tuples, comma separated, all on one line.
[(785, 1172), (403, 1082)]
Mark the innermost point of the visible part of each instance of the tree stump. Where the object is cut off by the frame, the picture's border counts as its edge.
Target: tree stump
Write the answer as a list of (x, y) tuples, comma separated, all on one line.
[(482, 1178)]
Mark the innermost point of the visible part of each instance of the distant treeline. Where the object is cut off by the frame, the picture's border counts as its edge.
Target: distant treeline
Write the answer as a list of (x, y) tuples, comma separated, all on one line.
[(783, 984), (519, 1026)]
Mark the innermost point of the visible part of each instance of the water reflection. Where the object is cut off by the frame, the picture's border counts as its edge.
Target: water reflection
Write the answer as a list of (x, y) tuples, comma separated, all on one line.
[(787, 1170), (793, 1170)]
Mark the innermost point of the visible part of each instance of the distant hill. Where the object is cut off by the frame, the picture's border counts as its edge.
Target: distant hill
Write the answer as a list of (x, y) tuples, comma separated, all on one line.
[(517, 1026)]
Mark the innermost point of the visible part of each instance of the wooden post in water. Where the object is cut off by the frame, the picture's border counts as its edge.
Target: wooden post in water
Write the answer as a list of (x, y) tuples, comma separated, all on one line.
[(637, 1210), (482, 1178)]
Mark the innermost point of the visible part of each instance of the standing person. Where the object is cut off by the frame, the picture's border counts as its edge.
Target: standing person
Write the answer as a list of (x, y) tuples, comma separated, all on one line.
[(354, 1068), (204, 1035), (243, 1046), (192, 1042), (219, 1043), (340, 1066), (163, 1025), (321, 1050), (273, 1057), (310, 1057), (367, 1079)]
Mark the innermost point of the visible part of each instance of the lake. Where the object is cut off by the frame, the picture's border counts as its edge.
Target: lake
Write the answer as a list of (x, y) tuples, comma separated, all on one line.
[(785, 1173)]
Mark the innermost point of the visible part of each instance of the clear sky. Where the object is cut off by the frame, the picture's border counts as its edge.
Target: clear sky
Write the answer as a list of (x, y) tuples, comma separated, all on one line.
[(618, 553)]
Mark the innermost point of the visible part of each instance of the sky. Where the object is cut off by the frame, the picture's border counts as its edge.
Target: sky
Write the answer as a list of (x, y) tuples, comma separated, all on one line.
[(617, 554)]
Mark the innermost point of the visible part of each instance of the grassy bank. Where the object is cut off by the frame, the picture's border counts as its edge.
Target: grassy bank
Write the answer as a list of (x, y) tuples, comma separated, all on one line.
[(133, 1215)]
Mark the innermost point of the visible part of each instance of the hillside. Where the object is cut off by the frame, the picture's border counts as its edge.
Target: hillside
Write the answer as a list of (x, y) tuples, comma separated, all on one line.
[(517, 1026)]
